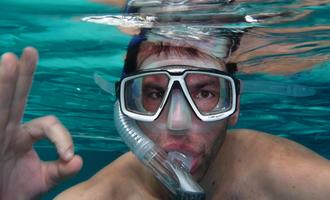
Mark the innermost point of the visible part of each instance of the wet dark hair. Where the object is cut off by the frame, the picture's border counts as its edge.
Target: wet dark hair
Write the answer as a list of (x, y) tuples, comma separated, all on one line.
[(141, 49)]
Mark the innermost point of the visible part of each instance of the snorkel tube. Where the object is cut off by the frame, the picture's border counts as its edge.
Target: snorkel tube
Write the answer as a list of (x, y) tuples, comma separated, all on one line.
[(171, 169)]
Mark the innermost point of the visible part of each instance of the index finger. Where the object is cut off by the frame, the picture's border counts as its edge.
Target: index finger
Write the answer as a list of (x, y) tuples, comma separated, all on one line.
[(48, 127)]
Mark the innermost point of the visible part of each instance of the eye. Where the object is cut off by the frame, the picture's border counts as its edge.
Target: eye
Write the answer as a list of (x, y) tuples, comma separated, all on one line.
[(204, 94), (154, 94)]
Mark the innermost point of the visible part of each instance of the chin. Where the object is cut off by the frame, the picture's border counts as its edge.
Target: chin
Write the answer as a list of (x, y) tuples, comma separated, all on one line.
[(199, 173), (203, 167)]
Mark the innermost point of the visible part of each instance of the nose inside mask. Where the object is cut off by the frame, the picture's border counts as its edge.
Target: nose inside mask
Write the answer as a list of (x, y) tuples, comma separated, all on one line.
[(179, 113)]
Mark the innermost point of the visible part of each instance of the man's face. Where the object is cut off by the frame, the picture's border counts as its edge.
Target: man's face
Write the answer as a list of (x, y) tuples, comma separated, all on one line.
[(178, 128)]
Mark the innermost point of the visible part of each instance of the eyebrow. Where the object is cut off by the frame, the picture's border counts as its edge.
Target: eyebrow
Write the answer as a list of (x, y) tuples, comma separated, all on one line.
[(202, 84), (176, 66), (152, 86)]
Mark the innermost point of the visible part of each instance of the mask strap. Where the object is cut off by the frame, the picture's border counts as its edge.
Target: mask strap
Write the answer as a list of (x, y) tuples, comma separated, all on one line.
[(277, 88)]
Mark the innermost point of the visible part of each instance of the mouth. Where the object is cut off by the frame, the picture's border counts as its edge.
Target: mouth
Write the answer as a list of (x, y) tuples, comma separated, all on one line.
[(188, 151)]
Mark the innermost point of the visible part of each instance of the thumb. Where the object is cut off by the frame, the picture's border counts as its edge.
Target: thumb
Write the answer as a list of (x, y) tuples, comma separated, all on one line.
[(59, 170)]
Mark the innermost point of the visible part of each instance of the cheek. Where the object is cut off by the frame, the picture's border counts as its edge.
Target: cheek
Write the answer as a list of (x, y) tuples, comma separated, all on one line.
[(216, 141), (214, 136), (156, 131), (149, 129), (211, 129)]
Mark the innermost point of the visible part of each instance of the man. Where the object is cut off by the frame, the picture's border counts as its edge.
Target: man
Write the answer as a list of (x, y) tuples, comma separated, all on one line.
[(236, 164), (240, 164)]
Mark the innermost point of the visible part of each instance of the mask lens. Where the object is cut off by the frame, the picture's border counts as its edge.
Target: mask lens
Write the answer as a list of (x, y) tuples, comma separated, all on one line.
[(145, 94), (210, 93)]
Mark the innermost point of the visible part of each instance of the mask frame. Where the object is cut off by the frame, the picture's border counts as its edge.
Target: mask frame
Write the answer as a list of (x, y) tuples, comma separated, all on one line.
[(177, 74)]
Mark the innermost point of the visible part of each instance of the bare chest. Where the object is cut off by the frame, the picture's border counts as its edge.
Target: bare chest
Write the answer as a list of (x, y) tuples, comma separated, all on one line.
[(237, 192)]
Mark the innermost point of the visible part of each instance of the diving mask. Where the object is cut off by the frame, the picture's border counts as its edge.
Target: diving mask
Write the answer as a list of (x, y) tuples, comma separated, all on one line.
[(211, 93)]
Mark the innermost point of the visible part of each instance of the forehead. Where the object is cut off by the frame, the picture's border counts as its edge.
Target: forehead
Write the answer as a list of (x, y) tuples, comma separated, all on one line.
[(162, 59), (153, 55)]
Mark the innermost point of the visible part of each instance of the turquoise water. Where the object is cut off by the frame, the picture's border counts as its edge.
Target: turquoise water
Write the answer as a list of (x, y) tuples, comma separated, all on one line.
[(71, 51)]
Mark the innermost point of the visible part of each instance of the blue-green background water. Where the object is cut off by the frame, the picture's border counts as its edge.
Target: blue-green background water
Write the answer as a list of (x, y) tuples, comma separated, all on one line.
[(71, 51)]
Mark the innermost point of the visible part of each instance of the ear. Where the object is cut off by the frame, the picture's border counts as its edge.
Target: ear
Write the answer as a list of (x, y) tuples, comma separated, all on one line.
[(234, 117)]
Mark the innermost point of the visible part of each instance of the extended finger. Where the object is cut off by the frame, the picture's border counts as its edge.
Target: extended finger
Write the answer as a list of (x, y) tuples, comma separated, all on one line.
[(48, 127), (27, 65), (8, 79)]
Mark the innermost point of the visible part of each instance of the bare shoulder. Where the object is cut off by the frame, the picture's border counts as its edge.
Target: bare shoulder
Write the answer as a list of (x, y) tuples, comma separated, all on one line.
[(273, 150), (270, 145), (286, 169), (112, 182)]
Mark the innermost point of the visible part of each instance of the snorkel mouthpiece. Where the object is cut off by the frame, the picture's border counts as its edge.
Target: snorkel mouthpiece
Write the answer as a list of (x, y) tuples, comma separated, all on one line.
[(171, 169), (181, 165), (181, 159)]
